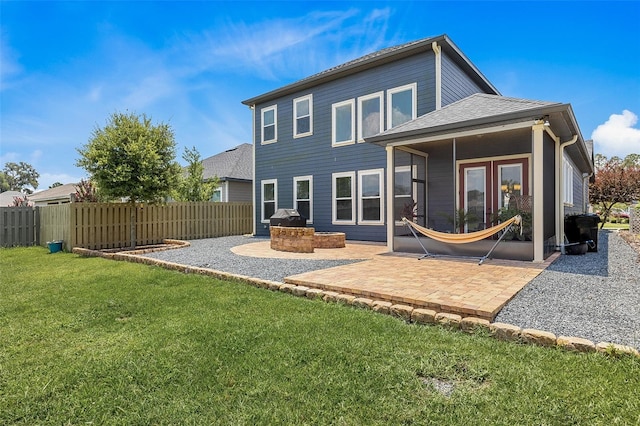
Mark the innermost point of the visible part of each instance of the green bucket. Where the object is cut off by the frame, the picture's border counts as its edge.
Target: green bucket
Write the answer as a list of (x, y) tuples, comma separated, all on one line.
[(55, 246)]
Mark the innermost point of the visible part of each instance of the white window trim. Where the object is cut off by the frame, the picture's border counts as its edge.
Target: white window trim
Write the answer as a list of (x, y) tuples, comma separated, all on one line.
[(295, 116), (567, 191), (334, 107), (334, 209), (361, 99), (295, 194), (414, 89), (275, 196), (361, 174), (273, 108)]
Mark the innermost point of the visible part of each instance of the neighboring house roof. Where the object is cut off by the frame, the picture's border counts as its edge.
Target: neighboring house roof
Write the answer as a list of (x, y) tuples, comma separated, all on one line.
[(6, 198), (378, 58), (481, 110), (59, 193), (233, 164)]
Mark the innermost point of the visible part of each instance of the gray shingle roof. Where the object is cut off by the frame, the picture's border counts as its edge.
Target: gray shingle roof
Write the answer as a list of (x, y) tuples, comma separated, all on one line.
[(62, 192), (233, 164), (476, 108)]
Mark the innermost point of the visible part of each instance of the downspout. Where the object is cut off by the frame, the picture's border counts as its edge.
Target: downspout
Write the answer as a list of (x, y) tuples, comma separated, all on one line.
[(560, 194), (585, 191), (438, 63), (253, 182)]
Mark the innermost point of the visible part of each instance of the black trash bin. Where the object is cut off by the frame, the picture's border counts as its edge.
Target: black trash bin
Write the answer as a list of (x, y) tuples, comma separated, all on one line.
[(581, 228), (588, 226)]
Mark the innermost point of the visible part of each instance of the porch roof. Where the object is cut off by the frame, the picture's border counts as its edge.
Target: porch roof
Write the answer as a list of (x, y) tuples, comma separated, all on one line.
[(481, 111)]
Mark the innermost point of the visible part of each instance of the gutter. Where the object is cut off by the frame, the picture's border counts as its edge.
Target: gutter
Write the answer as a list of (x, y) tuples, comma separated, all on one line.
[(479, 123)]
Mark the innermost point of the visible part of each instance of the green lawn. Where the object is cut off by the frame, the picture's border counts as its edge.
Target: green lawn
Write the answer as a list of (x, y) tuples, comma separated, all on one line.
[(609, 225), (93, 341)]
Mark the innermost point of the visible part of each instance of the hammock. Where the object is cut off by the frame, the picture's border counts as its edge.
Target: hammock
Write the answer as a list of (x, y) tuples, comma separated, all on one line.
[(470, 237)]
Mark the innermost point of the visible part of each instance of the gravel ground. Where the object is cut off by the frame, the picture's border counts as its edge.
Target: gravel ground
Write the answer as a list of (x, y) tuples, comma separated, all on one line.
[(215, 253), (595, 296)]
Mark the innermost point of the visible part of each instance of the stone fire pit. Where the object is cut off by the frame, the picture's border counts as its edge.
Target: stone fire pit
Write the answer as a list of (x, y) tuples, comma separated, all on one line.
[(303, 240)]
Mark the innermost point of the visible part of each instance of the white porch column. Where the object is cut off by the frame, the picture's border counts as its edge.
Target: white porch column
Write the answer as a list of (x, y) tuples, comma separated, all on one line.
[(391, 223), (538, 189)]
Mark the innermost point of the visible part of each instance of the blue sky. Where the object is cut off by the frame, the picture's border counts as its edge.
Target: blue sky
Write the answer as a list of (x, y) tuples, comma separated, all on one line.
[(66, 66)]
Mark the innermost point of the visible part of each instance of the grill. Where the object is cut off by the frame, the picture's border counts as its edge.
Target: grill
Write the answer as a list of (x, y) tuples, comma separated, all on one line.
[(287, 217)]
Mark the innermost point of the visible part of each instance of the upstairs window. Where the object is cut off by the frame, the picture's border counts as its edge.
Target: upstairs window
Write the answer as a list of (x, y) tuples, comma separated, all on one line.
[(269, 124), (370, 120), (401, 105), (303, 116), (344, 123)]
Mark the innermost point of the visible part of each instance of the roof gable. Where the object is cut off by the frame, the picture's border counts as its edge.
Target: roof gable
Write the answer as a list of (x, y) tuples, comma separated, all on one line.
[(378, 58), (233, 164)]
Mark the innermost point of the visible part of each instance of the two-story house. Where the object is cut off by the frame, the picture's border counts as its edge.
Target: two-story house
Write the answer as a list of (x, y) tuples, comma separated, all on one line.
[(415, 130)]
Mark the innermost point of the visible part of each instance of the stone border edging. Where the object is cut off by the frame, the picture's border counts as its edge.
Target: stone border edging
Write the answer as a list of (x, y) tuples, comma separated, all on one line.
[(498, 330)]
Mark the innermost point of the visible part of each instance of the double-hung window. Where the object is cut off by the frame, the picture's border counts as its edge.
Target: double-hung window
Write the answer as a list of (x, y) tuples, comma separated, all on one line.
[(370, 197), (303, 196), (343, 123), (344, 207), (370, 121), (303, 116), (270, 124), (401, 105), (269, 198), (568, 182)]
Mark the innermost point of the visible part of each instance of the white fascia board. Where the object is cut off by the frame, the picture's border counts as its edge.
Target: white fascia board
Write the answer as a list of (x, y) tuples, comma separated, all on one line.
[(465, 133)]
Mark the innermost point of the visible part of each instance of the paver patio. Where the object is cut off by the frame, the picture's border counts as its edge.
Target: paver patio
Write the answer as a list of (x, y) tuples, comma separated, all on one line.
[(459, 286)]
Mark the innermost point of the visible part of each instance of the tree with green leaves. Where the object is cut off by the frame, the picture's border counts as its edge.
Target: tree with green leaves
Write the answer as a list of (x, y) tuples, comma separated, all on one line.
[(4, 182), (55, 185), (19, 177), (131, 158), (193, 186), (616, 181)]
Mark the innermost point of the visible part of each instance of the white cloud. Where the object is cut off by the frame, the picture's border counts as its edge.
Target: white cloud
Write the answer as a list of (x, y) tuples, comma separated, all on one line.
[(8, 58), (280, 49), (618, 136)]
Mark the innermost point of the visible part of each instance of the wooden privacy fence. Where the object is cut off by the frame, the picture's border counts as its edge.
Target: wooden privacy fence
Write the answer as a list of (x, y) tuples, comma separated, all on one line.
[(107, 225), (17, 226)]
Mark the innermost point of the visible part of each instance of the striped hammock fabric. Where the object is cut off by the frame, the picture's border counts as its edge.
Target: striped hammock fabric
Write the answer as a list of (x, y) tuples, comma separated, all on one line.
[(462, 238)]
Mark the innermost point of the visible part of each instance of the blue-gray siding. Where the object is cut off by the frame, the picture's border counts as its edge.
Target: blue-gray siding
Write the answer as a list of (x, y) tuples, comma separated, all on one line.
[(313, 155), (456, 84)]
